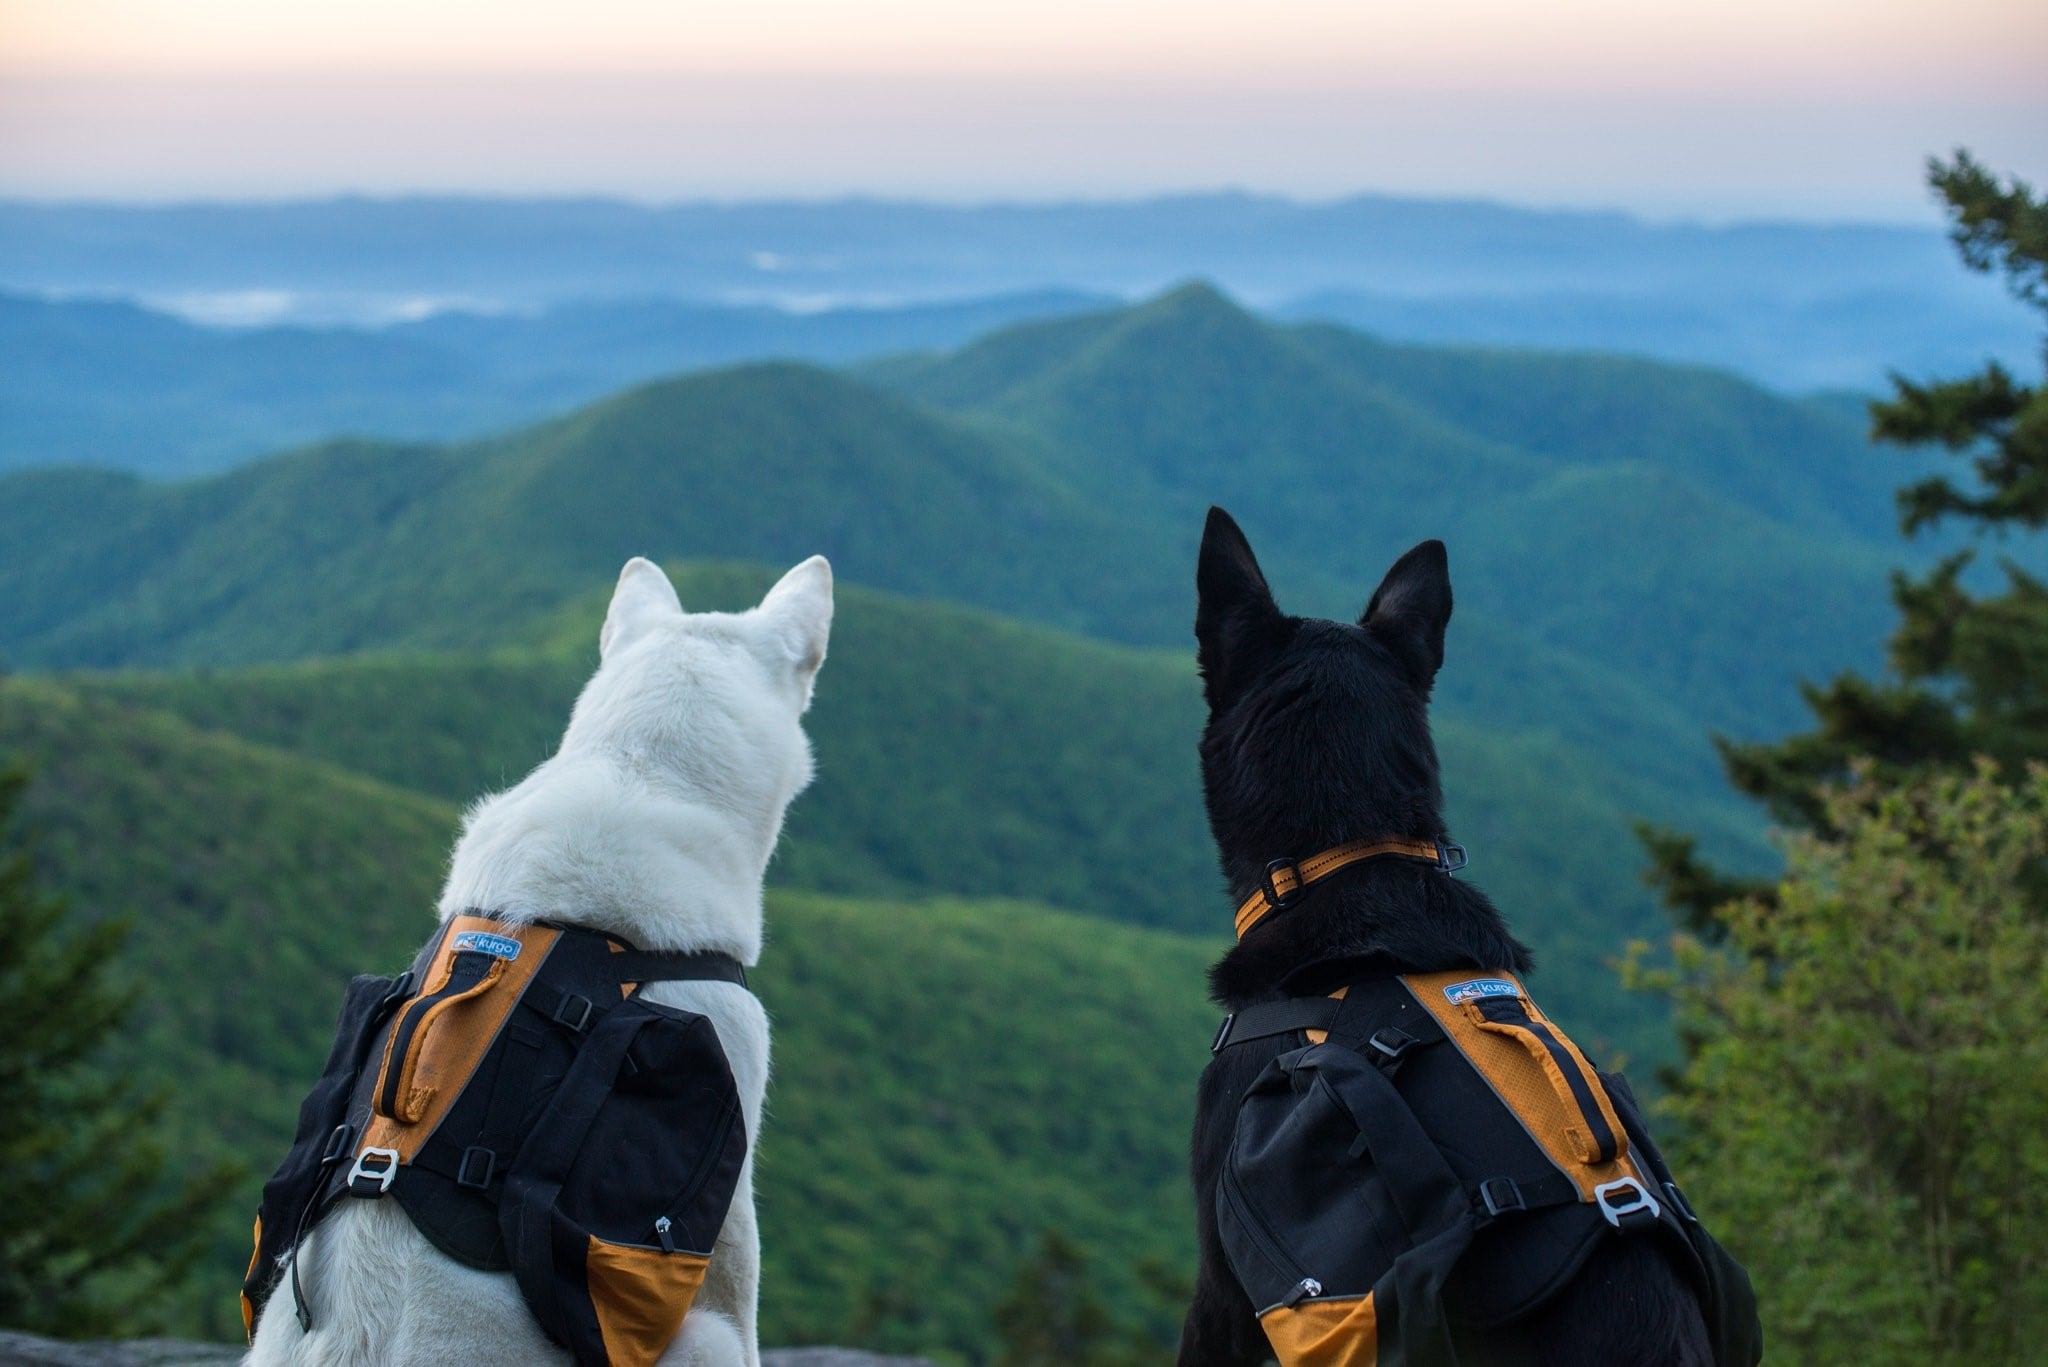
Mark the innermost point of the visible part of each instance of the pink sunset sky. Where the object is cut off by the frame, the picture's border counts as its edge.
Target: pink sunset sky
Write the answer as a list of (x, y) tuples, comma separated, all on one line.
[(1803, 108)]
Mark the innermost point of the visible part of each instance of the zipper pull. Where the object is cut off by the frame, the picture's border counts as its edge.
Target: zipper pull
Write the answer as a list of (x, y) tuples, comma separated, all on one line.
[(668, 1243), (1303, 1289)]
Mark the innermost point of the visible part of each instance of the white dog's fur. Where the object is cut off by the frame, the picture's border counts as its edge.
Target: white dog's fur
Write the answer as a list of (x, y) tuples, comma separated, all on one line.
[(655, 820)]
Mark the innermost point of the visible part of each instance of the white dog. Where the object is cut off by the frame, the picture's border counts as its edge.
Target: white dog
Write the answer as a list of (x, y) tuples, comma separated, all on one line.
[(655, 820)]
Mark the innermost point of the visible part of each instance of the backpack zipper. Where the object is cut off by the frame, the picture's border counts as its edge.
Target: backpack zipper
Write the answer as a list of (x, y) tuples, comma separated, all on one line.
[(1262, 1235)]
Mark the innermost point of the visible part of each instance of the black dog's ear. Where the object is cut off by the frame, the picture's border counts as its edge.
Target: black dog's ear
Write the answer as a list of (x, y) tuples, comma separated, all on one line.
[(1237, 624), (1411, 608)]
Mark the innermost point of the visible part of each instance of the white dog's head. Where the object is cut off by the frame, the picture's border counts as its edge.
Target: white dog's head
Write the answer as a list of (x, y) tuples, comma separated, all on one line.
[(707, 706), (658, 814)]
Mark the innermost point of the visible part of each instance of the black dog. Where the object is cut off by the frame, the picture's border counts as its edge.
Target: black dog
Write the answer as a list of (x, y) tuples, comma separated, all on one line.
[(1318, 734)]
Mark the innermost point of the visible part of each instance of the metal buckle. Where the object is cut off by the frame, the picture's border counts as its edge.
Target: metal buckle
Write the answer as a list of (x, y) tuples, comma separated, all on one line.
[(1391, 1041), (1222, 1034), (383, 1177), (577, 1006), (470, 1155), (1450, 857), (1500, 1195), (1273, 898), (1614, 1210)]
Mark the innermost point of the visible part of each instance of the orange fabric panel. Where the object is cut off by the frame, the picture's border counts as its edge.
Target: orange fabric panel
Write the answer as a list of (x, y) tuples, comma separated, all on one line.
[(456, 1035), (1343, 1331), (1525, 1077), (248, 1307), (641, 1296)]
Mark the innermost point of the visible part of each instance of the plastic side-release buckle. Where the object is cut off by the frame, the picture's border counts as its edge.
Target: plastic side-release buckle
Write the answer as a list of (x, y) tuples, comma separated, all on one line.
[(366, 1181), (1679, 1203), (1625, 1197)]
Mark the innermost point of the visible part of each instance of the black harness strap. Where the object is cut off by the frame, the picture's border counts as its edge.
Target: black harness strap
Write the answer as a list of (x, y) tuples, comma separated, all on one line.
[(649, 966), (1374, 1029), (1275, 1018), (1428, 1198)]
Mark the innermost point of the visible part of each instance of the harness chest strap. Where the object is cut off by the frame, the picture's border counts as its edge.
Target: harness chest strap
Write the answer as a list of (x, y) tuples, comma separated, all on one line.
[(1287, 879)]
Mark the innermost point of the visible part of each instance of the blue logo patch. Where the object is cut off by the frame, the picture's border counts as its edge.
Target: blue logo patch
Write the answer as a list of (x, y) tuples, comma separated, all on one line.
[(1472, 989), (483, 942)]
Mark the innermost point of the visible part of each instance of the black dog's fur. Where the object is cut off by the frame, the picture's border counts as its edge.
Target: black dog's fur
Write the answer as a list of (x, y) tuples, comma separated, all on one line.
[(1318, 733)]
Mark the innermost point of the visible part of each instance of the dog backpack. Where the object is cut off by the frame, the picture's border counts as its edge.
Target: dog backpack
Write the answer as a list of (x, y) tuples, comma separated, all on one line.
[(531, 1113), (1439, 1153)]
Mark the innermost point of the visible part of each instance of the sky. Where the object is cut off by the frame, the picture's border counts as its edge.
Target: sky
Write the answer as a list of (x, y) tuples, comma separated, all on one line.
[(1734, 108)]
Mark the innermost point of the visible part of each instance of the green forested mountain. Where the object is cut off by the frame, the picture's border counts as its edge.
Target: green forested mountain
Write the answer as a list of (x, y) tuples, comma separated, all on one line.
[(967, 755), (297, 669), (1620, 512), (934, 1111), (1576, 493)]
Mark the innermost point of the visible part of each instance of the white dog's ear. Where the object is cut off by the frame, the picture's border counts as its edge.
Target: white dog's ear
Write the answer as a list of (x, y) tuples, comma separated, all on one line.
[(797, 618), (644, 597)]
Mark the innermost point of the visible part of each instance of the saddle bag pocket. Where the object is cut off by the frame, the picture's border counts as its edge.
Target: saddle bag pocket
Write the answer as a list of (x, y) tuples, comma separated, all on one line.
[(614, 1201), (291, 1189), (1298, 1206)]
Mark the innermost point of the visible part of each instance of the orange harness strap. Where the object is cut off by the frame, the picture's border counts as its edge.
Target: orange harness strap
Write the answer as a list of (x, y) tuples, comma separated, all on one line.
[(1286, 879)]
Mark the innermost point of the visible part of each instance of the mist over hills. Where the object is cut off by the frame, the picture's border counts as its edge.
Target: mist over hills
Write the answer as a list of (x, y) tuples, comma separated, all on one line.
[(1794, 305), (110, 383)]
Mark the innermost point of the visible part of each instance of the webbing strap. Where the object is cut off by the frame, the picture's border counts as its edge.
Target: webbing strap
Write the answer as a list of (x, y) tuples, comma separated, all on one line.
[(649, 966), (1511, 1011), (1275, 1018), (1287, 878), (1294, 1014)]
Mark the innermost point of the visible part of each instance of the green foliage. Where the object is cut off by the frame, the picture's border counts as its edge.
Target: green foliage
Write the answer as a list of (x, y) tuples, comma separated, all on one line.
[(1863, 1118), (1969, 670), (101, 1212), (951, 1076), (1055, 1314), (966, 755)]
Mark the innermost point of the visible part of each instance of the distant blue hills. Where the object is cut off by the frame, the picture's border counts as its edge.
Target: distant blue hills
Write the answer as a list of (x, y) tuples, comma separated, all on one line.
[(534, 283)]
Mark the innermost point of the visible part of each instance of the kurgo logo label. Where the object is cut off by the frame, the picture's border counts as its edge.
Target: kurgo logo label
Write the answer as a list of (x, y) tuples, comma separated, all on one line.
[(483, 942), (1472, 989)]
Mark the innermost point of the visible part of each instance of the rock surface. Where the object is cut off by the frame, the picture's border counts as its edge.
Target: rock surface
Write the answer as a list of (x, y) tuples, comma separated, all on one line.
[(27, 1350)]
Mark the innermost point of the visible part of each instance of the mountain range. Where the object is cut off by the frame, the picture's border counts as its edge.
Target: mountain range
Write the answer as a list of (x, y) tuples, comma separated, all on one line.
[(255, 698), (1795, 306)]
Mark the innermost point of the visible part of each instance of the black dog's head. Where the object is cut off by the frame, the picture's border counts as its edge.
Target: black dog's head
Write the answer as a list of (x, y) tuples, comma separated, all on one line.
[(1318, 734), (1318, 731)]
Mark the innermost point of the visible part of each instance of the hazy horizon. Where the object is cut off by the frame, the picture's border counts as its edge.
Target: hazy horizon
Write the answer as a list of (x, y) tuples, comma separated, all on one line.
[(1816, 110)]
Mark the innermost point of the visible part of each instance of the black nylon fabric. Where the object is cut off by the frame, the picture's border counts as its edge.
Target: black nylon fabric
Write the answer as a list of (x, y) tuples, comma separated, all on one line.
[(647, 1090), (588, 1171), (292, 1190), (1356, 1170)]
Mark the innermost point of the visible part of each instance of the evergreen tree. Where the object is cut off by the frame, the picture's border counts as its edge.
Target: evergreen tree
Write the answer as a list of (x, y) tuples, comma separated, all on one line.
[(1862, 1116), (91, 1223), (1968, 670)]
